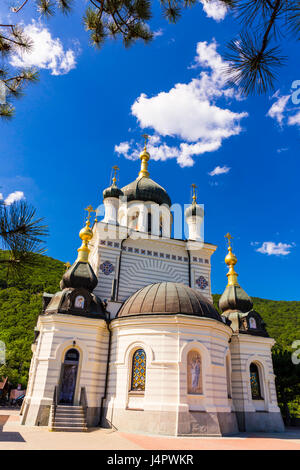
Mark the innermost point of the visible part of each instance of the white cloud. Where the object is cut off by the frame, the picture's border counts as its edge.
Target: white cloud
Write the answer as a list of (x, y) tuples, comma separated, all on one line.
[(188, 112), (271, 248), (158, 33), (219, 170), (278, 108), (214, 9), (123, 149), (13, 197), (46, 53), (294, 120)]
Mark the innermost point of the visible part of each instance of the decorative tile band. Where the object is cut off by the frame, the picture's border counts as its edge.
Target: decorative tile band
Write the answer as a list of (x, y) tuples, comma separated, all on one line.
[(155, 254)]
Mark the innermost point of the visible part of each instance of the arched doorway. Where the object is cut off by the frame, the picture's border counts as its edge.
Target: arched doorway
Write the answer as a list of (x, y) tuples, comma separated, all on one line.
[(68, 377)]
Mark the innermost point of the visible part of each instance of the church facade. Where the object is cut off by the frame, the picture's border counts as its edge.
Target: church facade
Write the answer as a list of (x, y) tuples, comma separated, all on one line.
[(132, 340)]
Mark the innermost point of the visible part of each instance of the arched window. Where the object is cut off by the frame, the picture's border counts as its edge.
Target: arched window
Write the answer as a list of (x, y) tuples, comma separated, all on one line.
[(255, 382), (194, 373), (138, 375), (161, 227), (72, 355), (149, 222)]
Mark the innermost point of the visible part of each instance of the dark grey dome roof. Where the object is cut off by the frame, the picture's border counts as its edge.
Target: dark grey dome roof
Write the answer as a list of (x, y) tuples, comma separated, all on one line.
[(194, 209), (145, 189), (112, 191), (235, 298), (79, 275), (168, 298)]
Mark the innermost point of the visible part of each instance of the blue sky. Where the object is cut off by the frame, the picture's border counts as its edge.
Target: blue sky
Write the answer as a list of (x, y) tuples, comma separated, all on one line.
[(61, 145)]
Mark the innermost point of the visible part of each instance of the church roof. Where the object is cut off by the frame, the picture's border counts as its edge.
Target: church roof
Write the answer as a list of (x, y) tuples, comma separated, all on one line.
[(165, 298), (80, 274), (145, 189), (112, 191), (235, 298)]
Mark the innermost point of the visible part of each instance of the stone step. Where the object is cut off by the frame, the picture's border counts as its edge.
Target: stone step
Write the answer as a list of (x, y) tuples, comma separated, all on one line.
[(68, 413), (69, 407), (67, 418), (68, 429)]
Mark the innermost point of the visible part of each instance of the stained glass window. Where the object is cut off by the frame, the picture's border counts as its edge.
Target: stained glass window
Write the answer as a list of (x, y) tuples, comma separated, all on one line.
[(254, 381), (138, 370)]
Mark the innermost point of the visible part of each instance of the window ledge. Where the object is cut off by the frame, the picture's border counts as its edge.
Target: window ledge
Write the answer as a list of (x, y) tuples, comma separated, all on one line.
[(136, 393)]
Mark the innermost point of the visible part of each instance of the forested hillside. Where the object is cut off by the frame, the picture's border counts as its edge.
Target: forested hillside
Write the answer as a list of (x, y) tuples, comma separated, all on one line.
[(21, 303)]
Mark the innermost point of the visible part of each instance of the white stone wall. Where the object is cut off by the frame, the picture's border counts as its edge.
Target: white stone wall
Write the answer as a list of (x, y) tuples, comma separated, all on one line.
[(145, 261), (246, 349), (57, 333), (166, 341)]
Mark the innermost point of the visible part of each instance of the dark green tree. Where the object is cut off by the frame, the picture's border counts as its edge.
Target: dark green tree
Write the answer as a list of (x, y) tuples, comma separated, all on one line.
[(287, 381), (253, 57), (21, 235), (13, 80)]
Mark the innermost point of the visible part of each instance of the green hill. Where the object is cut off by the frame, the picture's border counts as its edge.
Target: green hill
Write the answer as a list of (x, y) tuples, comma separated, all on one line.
[(281, 317), (21, 303)]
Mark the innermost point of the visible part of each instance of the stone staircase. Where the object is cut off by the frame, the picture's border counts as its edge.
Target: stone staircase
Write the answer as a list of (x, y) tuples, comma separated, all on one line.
[(67, 419)]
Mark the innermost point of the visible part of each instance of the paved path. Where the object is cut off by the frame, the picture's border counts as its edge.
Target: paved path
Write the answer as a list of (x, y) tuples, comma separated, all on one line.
[(13, 436)]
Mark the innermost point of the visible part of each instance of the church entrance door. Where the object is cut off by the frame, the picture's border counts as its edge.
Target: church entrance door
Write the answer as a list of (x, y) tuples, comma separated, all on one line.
[(68, 377)]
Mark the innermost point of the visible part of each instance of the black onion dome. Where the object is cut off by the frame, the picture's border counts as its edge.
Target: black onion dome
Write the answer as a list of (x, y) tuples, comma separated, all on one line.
[(112, 191), (168, 298), (235, 298), (194, 209), (145, 189), (80, 274)]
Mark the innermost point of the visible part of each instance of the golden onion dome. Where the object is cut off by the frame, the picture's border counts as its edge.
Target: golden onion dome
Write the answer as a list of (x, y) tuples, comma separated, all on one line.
[(230, 258), (86, 233)]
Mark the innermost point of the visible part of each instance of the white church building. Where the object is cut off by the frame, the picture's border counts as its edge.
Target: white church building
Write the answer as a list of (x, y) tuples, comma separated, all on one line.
[(133, 342)]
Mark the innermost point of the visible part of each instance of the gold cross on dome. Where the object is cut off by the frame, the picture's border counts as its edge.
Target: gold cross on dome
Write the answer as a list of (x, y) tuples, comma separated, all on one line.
[(194, 187), (89, 209), (115, 169), (229, 238), (146, 137), (67, 265)]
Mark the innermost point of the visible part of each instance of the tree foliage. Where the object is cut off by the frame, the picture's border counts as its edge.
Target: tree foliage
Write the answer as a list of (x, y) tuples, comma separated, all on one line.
[(21, 235), (20, 305), (253, 58)]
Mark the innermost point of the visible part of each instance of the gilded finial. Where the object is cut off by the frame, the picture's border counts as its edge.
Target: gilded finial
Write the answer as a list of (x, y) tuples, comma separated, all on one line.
[(231, 261), (67, 265), (144, 156), (194, 187), (86, 234), (146, 137), (115, 169)]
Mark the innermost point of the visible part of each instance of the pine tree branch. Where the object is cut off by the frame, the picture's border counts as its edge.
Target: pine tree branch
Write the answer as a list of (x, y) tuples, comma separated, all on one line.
[(16, 10)]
